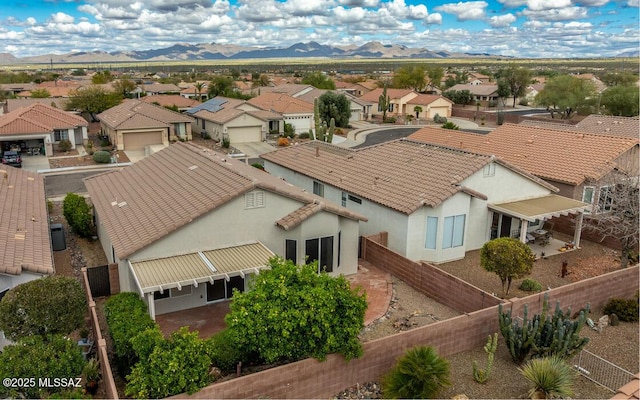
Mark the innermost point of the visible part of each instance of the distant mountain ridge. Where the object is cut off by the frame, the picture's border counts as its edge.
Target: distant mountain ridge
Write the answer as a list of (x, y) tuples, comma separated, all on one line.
[(213, 51)]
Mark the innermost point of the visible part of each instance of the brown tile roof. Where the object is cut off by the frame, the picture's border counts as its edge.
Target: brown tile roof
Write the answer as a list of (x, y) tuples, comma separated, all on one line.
[(426, 99), (139, 205), (561, 156), (291, 89), (549, 125), (221, 116), (14, 104), (375, 94), (281, 103), (403, 175), (610, 125), (298, 216), (138, 114), (629, 391), (479, 90), (161, 88), (170, 100), (24, 223), (38, 118)]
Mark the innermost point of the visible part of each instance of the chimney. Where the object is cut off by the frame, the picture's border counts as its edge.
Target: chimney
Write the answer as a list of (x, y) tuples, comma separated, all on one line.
[(317, 151)]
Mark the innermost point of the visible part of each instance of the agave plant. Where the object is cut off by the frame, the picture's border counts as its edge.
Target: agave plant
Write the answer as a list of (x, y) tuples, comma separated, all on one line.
[(551, 377), (419, 374)]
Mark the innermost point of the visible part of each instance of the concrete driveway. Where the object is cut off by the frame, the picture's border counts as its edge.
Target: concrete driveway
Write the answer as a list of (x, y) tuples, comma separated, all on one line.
[(35, 163), (253, 149)]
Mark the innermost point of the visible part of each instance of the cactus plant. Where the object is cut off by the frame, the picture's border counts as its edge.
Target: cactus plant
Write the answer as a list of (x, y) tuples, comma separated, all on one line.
[(482, 375), (332, 130), (316, 118)]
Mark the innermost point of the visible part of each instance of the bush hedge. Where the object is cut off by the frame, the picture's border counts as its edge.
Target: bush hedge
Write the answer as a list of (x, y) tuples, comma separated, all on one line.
[(625, 309), (102, 157), (78, 214), (530, 285), (127, 316)]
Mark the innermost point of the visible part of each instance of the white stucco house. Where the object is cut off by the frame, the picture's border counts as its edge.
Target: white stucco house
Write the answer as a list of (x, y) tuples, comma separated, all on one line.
[(187, 225), (294, 111), (435, 202)]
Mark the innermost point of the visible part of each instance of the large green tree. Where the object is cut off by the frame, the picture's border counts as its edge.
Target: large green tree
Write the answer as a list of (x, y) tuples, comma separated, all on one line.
[(124, 86), (508, 258), (40, 93), (319, 80), (417, 77), (51, 305), (517, 79), (101, 77), (93, 100), (291, 312), (565, 94), (336, 106), (220, 86), (621, 101), (620, 79)]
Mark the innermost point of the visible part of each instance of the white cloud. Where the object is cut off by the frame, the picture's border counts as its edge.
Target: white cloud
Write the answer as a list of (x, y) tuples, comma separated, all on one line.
[(349, 15), (512, 3), (502, 21), (591, 3), (633, 3), (435, 18), (564, 14), (360, 3), (62, 18), (472, 10), (538, 5)]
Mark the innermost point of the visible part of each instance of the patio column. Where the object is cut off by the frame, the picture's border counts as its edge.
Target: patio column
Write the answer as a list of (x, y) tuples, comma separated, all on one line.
[(523, 230), (578, 230), (152, 306)]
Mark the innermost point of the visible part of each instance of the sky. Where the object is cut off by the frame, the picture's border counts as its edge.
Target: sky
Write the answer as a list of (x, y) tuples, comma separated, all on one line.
[(517, 28)]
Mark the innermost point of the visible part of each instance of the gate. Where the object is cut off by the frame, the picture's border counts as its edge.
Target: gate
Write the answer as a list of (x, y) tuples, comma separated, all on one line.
[(602, 372), (99, 281)]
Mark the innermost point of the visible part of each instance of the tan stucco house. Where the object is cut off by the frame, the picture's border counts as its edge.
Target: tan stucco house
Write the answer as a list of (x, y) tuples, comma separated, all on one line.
[(430, 105), (187, 225)]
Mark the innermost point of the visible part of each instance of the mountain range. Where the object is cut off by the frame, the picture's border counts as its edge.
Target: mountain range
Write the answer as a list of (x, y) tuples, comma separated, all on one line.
[(213, 51)]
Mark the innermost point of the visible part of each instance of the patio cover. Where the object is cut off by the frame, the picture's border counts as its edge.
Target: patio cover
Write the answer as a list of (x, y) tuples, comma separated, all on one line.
[(541, 207), (165, 273)]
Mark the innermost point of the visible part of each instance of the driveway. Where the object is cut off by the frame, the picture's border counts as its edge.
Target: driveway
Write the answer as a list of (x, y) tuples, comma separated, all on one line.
[(253, 149), (35, 163)]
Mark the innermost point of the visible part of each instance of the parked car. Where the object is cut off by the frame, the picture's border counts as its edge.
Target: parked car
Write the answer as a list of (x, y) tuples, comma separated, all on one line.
[(12, 158)]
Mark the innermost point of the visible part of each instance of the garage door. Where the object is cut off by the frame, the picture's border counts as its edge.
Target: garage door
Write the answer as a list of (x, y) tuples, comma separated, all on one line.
[(245, 134), (442, 111), (138, 140)]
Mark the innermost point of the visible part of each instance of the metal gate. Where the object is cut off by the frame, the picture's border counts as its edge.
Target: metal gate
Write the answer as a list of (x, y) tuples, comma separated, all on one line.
[(99, 281), (602, 372)]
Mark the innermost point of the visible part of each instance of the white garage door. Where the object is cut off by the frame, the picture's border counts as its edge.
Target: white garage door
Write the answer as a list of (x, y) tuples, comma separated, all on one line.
[(442, 111), (245, 134), (138, 140)]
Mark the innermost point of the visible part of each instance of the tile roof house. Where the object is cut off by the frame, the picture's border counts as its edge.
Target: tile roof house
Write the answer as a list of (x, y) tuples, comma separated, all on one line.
[(160, 88), (575, 162), (483, 94), (430, 104), (435, 202), (136, 125), (171, 100), (294, 111), (223, 117), (610, 125), (398, 99), (186, 225), (24, 228), (41, 126), (12, 104)]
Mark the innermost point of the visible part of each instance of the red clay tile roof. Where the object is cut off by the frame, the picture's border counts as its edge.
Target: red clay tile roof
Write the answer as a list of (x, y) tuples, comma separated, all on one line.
[(610, 125), (38, 118), (24, 223), (138, 114), (281, 103), (150, 195), (171, 100), (630, 391), (298, 216), (14, 104), (403, 175), (561, 156), (393, 94), (426, 99)]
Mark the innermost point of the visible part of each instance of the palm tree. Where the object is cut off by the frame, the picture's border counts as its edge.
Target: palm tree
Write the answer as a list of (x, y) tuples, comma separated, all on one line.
[(199, 86), (417, 110), (419, 374)]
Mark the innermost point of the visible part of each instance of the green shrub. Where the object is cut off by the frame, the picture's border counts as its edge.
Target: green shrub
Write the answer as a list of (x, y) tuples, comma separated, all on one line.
[(51, 305), (226, 142), (419, 374), (304, 135), (169, 367), (450, 125), (439, 119), (530, 285), (625, 309), (258, 165), (64, 145), (105, 142), (37, 357), (289, 130), (102, 157), (78, 214), (390, 120), (126, 317), (551, 377), (225, 353)]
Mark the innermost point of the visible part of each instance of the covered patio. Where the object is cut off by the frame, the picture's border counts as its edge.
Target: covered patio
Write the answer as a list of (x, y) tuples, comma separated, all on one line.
[(541, 209)]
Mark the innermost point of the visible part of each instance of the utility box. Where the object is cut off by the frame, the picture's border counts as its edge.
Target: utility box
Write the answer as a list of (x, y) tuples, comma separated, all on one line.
[(57, 237)]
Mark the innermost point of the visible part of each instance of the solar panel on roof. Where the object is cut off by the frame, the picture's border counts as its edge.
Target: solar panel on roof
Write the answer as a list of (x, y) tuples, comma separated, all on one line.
[(212, 105)]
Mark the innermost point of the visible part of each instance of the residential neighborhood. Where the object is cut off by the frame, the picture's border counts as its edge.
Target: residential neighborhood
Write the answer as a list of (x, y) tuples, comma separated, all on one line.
[(218, 214)]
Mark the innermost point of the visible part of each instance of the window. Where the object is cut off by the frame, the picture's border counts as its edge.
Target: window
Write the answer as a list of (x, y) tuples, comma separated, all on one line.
[(432, 233), (180, 128), (587, 194), (186, 290), (355, 199), (164, 295), (60, 134), (254, 199), (291, 250), (453, 232), (489, 170), (344, 199), (318, 189), (339, 246), (321, 250), (605, 199)]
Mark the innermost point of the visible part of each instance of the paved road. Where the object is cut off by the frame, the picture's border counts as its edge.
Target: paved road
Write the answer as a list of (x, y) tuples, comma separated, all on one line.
[(386, 135), (69, 182), (517, 111)]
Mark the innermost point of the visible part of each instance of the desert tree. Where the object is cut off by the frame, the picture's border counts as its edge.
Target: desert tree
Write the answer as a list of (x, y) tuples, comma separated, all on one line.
[(517, 79), (92, 100), (565, 94), (383, 103), (508, 258)]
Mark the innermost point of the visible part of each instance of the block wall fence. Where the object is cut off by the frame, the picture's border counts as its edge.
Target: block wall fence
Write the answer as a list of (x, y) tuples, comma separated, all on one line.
[(310, 378)]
